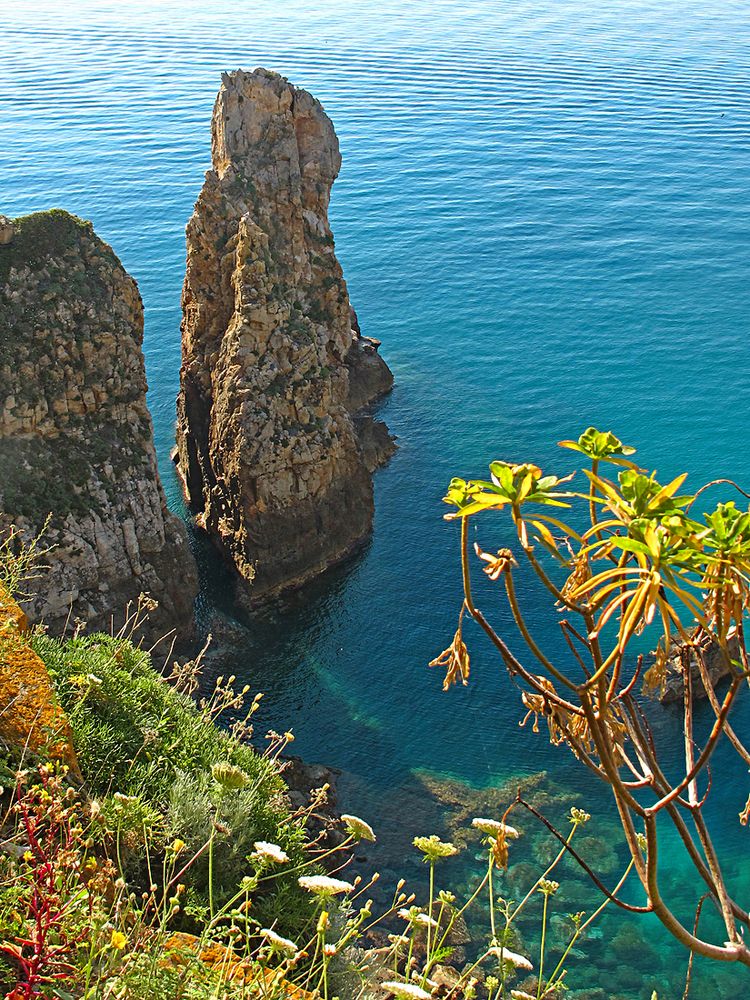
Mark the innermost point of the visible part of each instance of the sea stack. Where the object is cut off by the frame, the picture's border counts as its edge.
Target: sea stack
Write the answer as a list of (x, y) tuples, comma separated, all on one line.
[(275, 444), (76, 440)]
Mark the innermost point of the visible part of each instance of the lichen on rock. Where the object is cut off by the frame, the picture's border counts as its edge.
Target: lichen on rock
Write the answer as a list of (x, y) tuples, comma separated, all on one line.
[(274, 367), (31, 719), (76, 439)]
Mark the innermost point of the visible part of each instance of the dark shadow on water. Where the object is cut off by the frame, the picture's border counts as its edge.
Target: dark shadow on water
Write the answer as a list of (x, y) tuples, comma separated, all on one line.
[(220, 585)]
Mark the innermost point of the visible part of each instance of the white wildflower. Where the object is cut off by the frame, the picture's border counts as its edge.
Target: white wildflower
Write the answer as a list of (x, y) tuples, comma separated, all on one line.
[(416, 917), (434, 848), (277, 942), (520, 961), (271, 852), (493, 827), (410, 991), (358, 827), (323, 885)]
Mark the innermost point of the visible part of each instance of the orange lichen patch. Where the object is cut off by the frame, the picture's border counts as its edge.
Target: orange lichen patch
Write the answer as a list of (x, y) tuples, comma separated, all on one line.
[(10, 611), (29, 714), (265, 983)]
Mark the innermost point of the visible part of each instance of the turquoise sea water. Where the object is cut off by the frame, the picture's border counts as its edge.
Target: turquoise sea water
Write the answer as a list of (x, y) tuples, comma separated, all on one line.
[(543, 214)]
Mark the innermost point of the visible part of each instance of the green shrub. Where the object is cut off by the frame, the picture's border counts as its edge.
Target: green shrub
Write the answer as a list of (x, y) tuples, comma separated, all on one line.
[(139, 737), (41, 235)]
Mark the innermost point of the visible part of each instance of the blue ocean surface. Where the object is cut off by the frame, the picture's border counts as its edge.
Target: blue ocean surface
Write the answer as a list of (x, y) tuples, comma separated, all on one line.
[(543, 214)]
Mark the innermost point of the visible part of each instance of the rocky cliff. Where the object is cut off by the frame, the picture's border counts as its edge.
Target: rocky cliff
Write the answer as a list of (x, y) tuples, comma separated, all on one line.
[(76, 439), (273, 445)]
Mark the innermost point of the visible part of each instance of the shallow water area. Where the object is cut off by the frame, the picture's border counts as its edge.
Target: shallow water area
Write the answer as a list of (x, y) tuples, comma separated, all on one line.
[(543, 216)]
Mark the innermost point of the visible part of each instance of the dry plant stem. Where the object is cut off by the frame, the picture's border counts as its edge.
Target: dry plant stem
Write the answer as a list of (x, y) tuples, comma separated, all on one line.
[(656, 556), (715, 482), (615, 657), (555, 591), (693, 767), (714, 702), (634, 680), (624, 801), (641, 747), (662, 786), (743, 648), (589, 920), (566, 629), (582, 755), (689, 974), (736, 952), (513, 665), (530, 642), (718, 879), (604, 750), (579, 860), (712, 878)]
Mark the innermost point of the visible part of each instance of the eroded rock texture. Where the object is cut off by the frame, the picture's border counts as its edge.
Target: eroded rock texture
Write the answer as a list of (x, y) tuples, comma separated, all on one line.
[(274, 448), (76, 440)]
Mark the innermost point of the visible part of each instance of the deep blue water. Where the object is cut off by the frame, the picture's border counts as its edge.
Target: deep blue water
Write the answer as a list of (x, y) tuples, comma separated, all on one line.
[(543, 214)]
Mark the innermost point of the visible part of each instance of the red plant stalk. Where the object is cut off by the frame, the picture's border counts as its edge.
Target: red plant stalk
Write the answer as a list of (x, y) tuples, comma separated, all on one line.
[(43, 957)]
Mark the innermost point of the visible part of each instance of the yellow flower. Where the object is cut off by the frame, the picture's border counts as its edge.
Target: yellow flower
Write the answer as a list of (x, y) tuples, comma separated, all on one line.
[(177, 846), (118, 940), (28, 856)]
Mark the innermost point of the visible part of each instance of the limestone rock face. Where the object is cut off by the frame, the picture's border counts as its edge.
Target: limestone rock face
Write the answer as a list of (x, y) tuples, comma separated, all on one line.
[(274, 366), (76, 440)]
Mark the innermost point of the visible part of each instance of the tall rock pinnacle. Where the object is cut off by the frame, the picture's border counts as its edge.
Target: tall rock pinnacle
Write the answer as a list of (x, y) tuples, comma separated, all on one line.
[(275, 456), (76, 441)]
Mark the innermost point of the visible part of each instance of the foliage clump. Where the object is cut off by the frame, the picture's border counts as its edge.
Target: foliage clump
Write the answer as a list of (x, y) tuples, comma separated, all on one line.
[(41, 235), (178, 865), (143, 739), (635, 558)]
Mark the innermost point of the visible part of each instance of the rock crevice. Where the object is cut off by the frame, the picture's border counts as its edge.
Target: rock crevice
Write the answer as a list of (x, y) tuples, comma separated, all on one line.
[(274, 367)]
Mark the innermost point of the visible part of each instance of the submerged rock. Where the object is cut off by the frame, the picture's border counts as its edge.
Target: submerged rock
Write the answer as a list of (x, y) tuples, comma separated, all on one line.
[(76, 441), (313, 788), (672, 686), (274, 366)]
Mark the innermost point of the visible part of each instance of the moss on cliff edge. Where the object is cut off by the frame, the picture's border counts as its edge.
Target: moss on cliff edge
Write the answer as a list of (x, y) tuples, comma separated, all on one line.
[(41, 235), (63, 476)]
